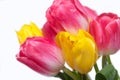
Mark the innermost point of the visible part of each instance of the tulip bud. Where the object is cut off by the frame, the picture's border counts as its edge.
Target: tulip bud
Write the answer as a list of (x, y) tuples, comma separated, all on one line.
[(41, 55), (79, 50), (69, 15), (106, 31), (28, 30)]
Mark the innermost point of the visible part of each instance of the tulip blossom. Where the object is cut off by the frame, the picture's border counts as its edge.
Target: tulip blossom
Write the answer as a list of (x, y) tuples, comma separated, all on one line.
[(68, 15), (79, 50), (106, 31), (28, 30), (48, 31), (41, 55)]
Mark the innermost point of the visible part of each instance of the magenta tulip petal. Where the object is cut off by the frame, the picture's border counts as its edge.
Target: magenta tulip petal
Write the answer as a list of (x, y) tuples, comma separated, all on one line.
[(89, 13), (42, 55), (113, 30), (36, 67), (106, 31), (48, 31), (68, 15)]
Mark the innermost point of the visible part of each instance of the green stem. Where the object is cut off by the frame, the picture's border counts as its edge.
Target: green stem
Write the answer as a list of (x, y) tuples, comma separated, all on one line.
[(63, 76), (104, 61), (77, 74), (96, 68), (72, 75), (88, 77), (85, 77), (108, 59), (119, 78)]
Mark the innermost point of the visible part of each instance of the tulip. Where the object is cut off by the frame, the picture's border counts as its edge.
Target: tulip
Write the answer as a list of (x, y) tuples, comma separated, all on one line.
[(28, 30), (69, 15), (106, 31), (79, 50), (41, 55), (48, 31)]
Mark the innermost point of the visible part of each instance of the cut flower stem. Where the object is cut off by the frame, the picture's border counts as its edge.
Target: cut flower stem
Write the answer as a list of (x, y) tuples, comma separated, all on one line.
[(76, 75), (68, 72), (96, 67), (85, 77), (106, 60)]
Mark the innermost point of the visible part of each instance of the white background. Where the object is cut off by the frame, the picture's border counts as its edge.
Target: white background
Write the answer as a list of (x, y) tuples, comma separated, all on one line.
[(15, 13)]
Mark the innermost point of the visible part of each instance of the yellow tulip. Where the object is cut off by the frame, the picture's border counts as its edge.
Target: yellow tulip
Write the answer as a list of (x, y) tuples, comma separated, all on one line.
[(79, 50), (28, 30)]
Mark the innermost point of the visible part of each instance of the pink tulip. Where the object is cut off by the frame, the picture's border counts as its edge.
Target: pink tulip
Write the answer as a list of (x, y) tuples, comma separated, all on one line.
[(41, 55), (68, 15), (106, 31), (48, 31)]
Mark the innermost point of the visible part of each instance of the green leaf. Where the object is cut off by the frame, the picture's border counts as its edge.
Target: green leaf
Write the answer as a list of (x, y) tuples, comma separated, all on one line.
[(107, 73)]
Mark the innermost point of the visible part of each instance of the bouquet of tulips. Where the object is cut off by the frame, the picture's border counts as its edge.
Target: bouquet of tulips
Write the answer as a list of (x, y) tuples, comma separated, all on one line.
[(70, 42)]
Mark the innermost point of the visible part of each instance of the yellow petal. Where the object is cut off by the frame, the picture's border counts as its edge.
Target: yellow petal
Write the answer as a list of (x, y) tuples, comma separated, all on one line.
[(36, 30), (28, 31), (79, 50), (64, 40), (85, 54)]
